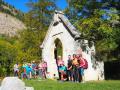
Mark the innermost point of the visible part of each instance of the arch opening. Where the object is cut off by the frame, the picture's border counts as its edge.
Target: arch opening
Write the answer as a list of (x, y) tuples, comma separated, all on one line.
[(58, 50)]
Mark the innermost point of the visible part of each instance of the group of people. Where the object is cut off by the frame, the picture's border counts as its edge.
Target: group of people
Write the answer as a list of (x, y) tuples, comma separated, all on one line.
[(74, 71), (31, 70)]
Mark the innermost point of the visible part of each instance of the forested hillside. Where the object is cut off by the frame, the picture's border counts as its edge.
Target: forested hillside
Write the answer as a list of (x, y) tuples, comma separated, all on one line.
[(25, 47), (11, 10), (11, 19), (9, 25)]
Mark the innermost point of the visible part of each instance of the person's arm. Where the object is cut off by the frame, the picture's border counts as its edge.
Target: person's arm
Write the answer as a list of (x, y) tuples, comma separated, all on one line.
[(70, 67), (83, 62)]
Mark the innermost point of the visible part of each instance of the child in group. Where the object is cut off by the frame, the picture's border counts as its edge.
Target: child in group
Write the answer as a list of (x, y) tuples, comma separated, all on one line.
[(63, 71), (44, 69), (59, 63), (23, 71)]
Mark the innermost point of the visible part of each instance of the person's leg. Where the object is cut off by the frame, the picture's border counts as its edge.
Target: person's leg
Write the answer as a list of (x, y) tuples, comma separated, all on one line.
[(40, 73), (35, 74), (30, 75), (77, 74), (72, 75), (62, 75), (68, 75), (62, 78), (59, 73), (65, 75), (15, 73), (22, 75), (82, 75), (25, 76), (45, 72)]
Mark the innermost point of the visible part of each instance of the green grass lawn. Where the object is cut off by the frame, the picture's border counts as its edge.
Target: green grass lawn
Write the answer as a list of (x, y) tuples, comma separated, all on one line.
[(56, 85)]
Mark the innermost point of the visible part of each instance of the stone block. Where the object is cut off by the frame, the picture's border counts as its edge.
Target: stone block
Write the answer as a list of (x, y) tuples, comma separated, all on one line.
[(14, 83)]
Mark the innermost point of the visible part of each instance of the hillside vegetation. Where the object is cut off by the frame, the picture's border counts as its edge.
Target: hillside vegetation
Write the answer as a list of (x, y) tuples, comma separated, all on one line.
[(11, 10)]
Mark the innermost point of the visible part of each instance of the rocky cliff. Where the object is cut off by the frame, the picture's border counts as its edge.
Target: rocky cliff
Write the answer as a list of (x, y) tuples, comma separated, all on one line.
[(9, 25)]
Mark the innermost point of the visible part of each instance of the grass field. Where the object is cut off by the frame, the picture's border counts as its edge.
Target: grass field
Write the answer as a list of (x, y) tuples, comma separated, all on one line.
[(56, 85)]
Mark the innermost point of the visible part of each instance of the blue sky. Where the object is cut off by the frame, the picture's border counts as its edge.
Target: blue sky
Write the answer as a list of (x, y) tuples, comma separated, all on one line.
[(20, 4)]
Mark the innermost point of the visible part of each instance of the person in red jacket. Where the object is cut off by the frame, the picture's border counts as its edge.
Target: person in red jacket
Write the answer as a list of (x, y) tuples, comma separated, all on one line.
[(81, 69)]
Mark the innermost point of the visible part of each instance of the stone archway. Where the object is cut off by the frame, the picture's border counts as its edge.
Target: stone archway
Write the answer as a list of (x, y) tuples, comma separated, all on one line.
[(58, 50)]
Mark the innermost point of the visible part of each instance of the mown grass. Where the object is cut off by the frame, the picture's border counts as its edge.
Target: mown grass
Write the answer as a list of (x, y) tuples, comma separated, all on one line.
[(55, 85)]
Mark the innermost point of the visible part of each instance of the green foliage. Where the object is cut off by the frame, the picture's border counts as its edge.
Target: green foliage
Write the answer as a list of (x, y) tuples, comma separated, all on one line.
[(59, 48), (7, 56), (97, 21), (37, 21), (42, 10), (30, 42)]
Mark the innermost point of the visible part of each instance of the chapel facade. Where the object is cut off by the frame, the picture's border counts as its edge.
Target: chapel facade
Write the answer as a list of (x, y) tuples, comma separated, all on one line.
[(72, 43)]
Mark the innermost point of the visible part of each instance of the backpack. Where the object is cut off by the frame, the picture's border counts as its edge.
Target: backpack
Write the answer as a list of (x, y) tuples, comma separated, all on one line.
[(86, 64)]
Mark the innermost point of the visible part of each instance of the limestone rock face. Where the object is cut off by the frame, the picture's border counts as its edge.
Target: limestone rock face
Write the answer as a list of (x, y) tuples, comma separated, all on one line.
[(10, 25), (13, 83)]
